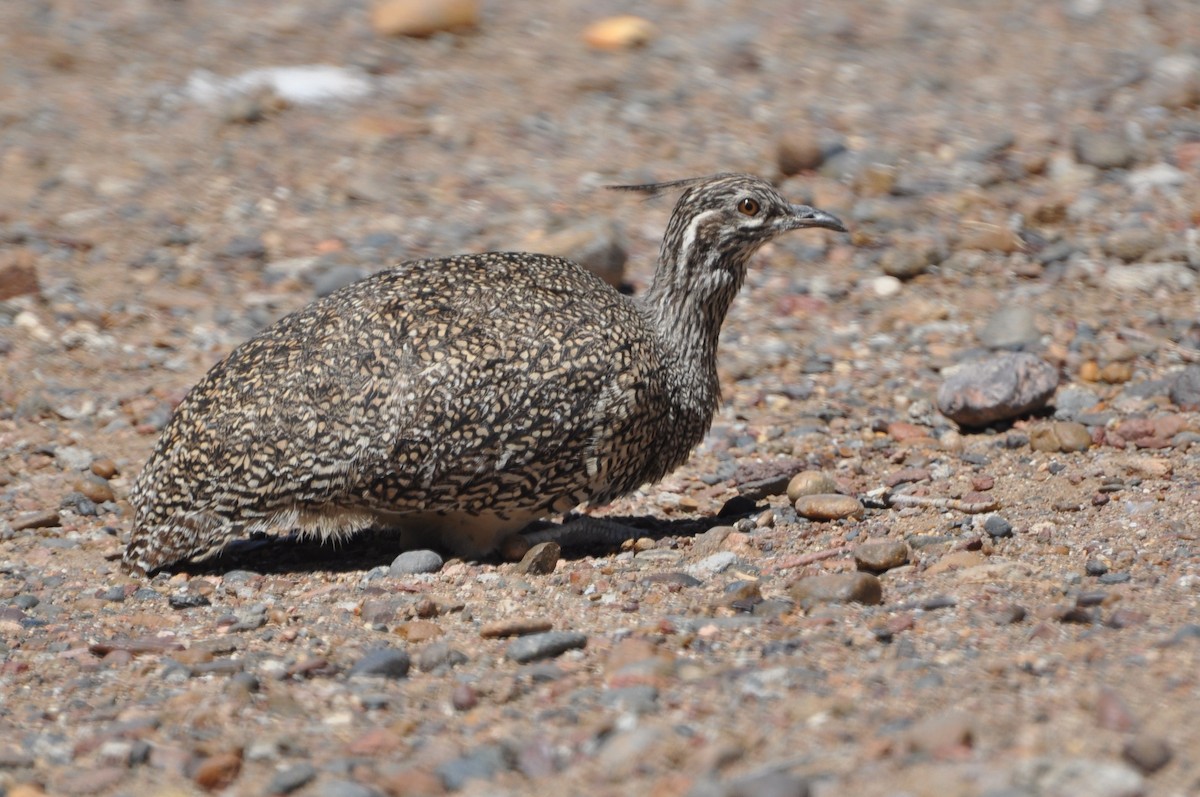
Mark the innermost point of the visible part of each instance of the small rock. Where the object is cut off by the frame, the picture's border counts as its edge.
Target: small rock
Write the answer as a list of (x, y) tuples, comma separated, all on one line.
[(1073, 777), (1060, 436), (18, 277), (104, 467), (941, 735), (438, 655), (422, 17), (540, 560), (413, 562), (1148, 753), (1095, 567), (483, 763), (837, 588), (73, 458), (545, 646), (810, 482), (346, 788), (619, 33), (94, 488), (876, 557), (713, 564), (464, 697), (45, 519), (383, 663), (997, 526), (288, 780), (906, 262), (1133, 244), (1013, 326), (1103, 150), (336, 278), (1185, 389), (829, 507), (518, 626), (218, 771), (1005, 386), (244, 247), (799, 152), (186, 599)]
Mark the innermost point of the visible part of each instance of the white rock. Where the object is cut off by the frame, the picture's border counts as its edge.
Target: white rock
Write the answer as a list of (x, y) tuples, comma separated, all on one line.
[(303, 85), (885, 286)]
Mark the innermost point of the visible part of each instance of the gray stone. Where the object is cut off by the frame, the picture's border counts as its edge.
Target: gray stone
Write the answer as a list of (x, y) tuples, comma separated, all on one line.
[(880, 555), (545, 646), (1103, 150), (73, 458), (1010, 327), (482, 763), (1148, 753), (435, 655), (346, 788), (598, 246), (382, 663), (1072, 777), (997, 526), (711, 565), (287, 780), (837, 588), (1185, 389), (1002, 387), (1132, 244), (541, 559), (412, 562), (1071, 401)]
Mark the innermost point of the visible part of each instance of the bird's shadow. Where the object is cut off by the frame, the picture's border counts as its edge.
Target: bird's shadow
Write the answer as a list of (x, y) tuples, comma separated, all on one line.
[(289, 554)]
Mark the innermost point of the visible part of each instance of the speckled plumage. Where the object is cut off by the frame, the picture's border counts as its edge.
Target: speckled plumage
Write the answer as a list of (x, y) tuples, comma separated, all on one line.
[(459, 399)]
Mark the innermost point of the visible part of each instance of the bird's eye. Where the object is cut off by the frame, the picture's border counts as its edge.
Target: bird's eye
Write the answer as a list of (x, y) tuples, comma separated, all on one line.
[(748, 206)]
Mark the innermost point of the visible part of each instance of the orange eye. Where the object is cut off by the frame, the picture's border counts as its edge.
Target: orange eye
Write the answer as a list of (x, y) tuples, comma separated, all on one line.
[(748, 206)]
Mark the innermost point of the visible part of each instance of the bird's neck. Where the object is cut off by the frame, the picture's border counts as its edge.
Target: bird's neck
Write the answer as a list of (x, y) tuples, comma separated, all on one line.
[(686, 304)]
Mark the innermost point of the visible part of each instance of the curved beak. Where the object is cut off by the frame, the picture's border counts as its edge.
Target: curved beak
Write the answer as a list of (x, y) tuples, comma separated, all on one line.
[(805, 216)]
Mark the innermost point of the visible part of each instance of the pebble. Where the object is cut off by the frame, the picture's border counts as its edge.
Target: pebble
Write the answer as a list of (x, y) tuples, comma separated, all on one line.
[(186, 599), (438, 655), (829, 507), (1148, 753), (906, 262), (882, 555), (797, 152), (1132, 244), (422, 17), (997, 527), (291, 778), (73, 457), (94, 488), (773, 783), (1103, 150), (1095, 567), (1071, 402), (712, 565), (413, 562), (382, 663), (1012, 327), (104, 467), (837, 588), (810, 482), (1002, 387), (517, 626), (619, 33), (346, 788), (1185, 389), (1074, 777), (545, 645), (45, 519), (540, 560), (217, 771)]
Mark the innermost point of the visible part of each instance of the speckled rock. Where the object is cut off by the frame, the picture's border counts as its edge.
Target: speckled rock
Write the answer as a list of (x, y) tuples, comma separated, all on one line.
[(837, 588), (1002, 387), (881, 555), (545, 646), (829, 507)]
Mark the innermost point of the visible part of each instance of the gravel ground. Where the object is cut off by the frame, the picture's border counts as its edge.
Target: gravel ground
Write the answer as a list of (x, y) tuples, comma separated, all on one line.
[(1005, 609)]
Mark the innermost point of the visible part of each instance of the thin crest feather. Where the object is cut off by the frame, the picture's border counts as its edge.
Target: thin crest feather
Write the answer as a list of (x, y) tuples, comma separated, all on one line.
[(656, 189)]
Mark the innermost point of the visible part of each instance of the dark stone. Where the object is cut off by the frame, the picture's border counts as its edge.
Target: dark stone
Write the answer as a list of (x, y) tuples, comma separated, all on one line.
[(382, 663)]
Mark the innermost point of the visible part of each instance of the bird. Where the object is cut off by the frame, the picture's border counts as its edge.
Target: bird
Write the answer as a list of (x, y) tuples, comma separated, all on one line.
[(454, 401)]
